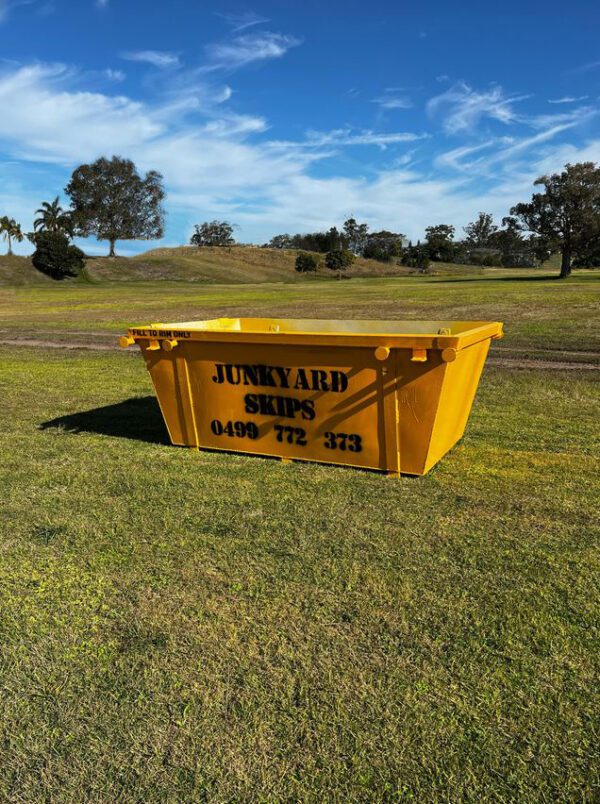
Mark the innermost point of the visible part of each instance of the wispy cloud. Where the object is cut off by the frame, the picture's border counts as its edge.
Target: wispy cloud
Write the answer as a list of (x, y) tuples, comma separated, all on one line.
[(569, 118), (584, 68), (347, 136), (239, 22), (465, 107), (158, 58), (114, 75), (568, 99), (391, 99), (244, 50), (500, 151), (328, 142), (458, 158)]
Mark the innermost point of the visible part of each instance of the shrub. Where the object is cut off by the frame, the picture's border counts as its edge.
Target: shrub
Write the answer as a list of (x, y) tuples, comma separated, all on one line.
[(306, 262), (485, 257), (55, 256), (338, 260)]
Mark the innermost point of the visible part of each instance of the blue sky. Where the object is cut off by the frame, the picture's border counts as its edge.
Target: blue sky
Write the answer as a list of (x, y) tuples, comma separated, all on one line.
[(291, 116)]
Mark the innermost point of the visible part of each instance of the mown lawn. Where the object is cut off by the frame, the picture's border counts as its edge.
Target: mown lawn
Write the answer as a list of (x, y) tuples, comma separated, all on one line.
[(539, 311), (184, 626)]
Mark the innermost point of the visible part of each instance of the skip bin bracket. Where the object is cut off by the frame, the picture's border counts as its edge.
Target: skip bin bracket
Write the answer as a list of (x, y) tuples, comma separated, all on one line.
[(419, 356)]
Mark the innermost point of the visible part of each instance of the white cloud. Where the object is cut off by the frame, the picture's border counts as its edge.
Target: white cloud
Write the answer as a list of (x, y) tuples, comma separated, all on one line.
[(502, 151), (568, 99), (390, 100), (346, 136), (574, 116), (464, 107), (115, 75), (48, 123), (584, 68), (158, 58), (239, 22), (454, 158), (247, 49)]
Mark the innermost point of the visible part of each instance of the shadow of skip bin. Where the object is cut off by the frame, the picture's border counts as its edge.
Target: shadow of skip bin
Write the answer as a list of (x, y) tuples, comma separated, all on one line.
[(138, 418)]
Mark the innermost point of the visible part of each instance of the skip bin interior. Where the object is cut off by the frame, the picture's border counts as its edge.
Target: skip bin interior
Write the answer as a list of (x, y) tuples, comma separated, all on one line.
[(387, 395)]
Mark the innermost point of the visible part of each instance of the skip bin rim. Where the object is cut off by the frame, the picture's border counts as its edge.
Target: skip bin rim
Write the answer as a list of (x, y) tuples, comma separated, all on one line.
[(269, 330)]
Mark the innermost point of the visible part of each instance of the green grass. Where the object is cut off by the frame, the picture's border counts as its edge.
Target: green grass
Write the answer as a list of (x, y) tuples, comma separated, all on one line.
[(183, 626), (538, 313)]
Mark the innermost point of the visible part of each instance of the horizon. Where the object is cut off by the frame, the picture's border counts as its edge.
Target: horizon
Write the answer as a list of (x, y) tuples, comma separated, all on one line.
[(289, 120)]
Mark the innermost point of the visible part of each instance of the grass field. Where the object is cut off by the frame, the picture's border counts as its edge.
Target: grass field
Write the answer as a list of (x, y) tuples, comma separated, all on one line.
[(197, 626)]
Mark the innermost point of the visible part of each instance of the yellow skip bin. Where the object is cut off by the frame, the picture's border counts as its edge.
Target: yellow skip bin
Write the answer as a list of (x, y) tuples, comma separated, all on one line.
[(388, 395)]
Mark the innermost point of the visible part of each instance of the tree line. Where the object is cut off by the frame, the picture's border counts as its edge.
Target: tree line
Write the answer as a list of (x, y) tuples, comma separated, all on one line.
[(113, 201), (563, 217)]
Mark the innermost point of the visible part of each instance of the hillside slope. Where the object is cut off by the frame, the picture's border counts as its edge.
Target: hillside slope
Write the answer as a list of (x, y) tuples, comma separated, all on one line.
[(235, 265), (238, 264), (19, 271)]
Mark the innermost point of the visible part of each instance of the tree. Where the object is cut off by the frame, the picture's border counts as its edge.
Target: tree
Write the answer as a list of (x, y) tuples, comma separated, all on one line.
[(335, 240), (566, 216), (439, 242), (55, 256), (588, 257), (338, 260), (280, 241), (416, 257), (112, 201), (10, 230), (306, 262), (480, 232), (213, 233), (356, 235), (515, 251), (53, 218), (383, 246)]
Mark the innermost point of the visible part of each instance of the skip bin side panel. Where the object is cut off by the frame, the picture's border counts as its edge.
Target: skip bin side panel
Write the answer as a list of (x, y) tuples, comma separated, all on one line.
[(302, 402), (456, 399)]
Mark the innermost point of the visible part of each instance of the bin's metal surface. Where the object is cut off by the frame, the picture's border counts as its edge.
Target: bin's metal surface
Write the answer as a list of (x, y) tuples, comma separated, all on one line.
[(388, 395)]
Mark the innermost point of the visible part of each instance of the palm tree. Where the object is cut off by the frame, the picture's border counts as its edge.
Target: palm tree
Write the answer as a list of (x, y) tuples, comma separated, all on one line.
[(10, 229), (53, 218)]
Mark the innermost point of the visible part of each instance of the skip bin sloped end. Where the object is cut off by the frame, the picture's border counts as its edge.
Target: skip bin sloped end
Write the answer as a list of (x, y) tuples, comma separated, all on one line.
[(419, 390), (457, 392)]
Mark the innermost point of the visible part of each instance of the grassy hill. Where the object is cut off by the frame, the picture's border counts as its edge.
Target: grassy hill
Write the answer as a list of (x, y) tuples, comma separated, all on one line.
[(236, 265), (16, 270)]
